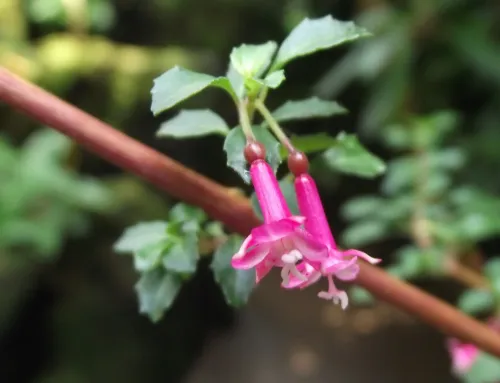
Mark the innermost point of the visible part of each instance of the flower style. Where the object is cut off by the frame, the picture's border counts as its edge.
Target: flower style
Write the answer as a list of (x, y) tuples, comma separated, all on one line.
[(342, 264), (281, 241)]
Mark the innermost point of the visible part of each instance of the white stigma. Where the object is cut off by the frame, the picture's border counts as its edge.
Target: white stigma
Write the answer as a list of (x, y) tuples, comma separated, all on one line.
[(290, 259), (338, 297)]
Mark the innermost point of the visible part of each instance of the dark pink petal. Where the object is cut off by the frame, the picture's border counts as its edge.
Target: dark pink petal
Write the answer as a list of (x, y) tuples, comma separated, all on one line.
[(345, 270), (360, 254), (463, 355), (262, 269)]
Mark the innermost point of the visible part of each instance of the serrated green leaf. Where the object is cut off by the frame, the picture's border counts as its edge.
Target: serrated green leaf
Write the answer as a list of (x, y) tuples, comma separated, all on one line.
[(183, 256), (193, 123), (350, 157), (363, 207), (157, 290), (236, 285), (312, 107), (234, 145), (178, 84), (363, 233), (139, 236), (475, 301), (252, 60), (312, 35)]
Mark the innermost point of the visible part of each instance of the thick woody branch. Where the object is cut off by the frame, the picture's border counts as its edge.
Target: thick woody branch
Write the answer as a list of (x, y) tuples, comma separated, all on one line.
[(234, 211)]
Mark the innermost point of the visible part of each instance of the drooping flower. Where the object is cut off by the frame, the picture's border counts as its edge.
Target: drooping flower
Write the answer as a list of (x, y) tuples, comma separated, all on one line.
[(463, 355), (338, 263), (281, 241)]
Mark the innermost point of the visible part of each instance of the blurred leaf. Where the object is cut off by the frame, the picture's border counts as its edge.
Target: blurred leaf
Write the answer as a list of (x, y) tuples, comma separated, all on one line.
[(149, 257), (492, 269), (157, 290), (237, 285), (486, 369), (350, 157), (476, 301), (312, 35), (141, 235), (252, 60), (308, 108), (363, 233), (234, 146), (190, 216), (193, 123), (410, 262), (360, 296), (178, 84), (310, 143), (363, 207), (183, 256)]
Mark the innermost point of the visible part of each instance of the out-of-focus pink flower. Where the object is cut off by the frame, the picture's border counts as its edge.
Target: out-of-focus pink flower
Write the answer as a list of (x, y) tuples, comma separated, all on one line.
[(281, 241), (463, 355), (338, 263)]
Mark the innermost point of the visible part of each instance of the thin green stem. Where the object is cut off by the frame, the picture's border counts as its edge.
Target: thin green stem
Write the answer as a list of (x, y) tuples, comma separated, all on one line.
[(245, 120), (274, 126)]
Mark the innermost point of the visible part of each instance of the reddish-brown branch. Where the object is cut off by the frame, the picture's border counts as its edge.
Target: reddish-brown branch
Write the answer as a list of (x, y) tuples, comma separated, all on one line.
[(219, 203)]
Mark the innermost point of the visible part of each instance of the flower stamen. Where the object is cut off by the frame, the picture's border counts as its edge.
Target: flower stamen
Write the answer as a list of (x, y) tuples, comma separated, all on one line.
[(290, 266)]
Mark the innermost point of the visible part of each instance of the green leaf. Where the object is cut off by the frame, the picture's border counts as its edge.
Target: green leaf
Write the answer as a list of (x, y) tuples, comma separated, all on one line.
[(312, 35), (486, 369), (308, 108), (492, 269), (193, 123), (149, 257), (475, 301), (236, 285), (183, 256), (191, 217), (234, 145), (178, 84), (363, 233), (350, 157), (140, 236), (310, 143), (410, 262), (237, 81), (157, 290), (252, 60), (363, 207), (272, 80)]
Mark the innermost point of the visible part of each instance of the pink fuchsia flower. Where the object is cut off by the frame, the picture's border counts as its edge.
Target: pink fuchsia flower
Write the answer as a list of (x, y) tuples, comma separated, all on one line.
[(463, 356), (338, 263), (281, 241)]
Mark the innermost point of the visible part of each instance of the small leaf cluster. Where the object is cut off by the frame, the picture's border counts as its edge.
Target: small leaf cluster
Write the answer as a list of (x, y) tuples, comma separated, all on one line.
[(166, 254), (253, 71), (41, 200)]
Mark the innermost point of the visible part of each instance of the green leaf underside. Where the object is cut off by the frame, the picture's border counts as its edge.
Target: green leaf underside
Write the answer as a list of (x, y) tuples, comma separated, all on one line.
[(252, 60), (236, 285), (234, 145), (350, 157), (178, 84), (157, 290), (140, 236), (475, 301), (313, 35), (193, 123), (312, 107)]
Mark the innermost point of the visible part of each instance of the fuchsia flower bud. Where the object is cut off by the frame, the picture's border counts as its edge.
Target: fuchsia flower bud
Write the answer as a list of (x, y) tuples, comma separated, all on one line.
[(281, 241)]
